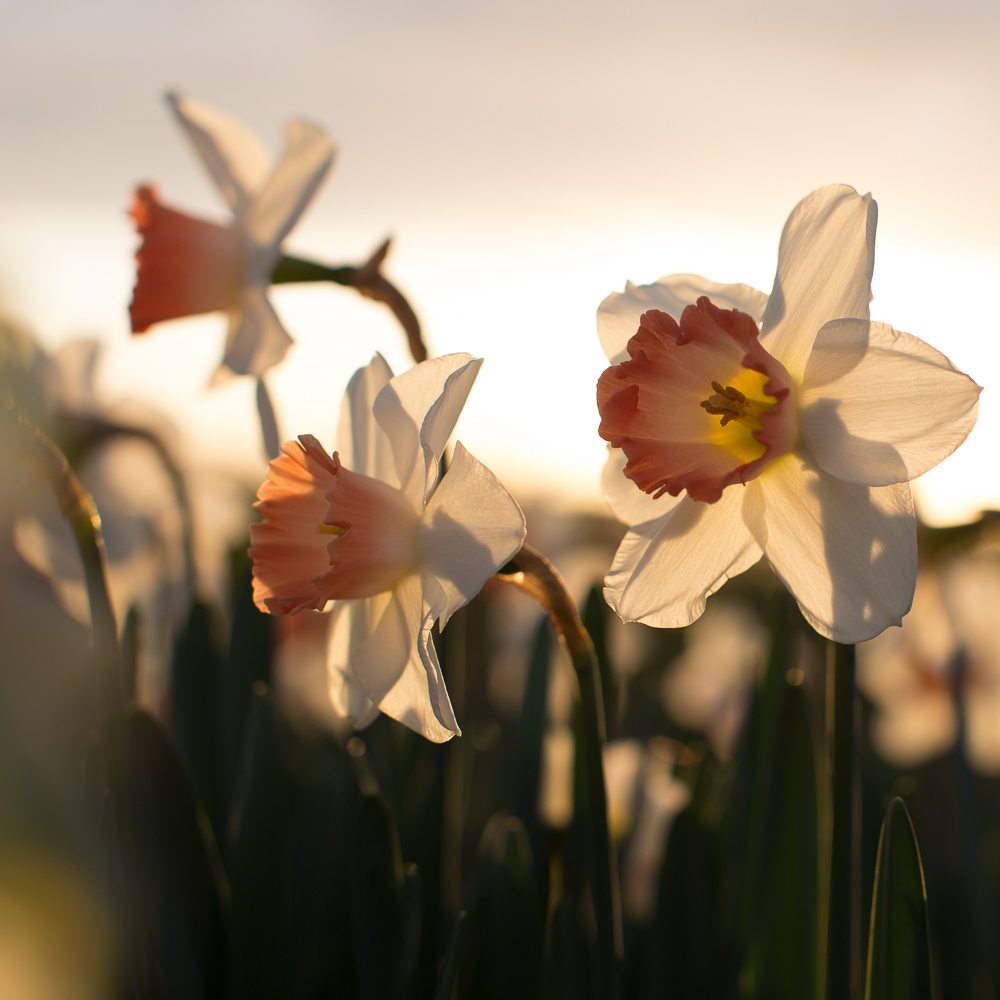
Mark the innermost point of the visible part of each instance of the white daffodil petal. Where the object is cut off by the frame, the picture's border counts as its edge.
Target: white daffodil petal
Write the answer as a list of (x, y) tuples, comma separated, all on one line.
[(880, 406), (397, 668), (234, 156), (348, 625), (665, 570), (471, 527), (418, 410), (847, 552), (275, 209), (628, 503), (256, 341), (618, 315), (825, 264), (362, 445)]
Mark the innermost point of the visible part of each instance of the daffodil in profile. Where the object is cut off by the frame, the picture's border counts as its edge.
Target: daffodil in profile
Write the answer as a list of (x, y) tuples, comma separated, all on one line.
[(377, 530), (186, 266), (786, 426)]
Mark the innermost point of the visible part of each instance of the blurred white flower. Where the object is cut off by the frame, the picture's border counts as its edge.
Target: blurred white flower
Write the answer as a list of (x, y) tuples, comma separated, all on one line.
[(941, 670), (186, 266)]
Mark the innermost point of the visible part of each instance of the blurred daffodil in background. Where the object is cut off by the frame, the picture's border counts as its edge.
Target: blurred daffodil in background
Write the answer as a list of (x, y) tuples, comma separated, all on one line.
[(187, 266)]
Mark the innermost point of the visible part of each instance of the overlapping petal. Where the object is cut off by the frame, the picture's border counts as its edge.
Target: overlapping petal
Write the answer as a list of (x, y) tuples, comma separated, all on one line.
[(618, 315), (397, 667), (665, 570), (825, 262), (234, 156), (872, 402), (418, 411), (256, 340), (279, 203), (361, 443), (847, 552), (471, 526)]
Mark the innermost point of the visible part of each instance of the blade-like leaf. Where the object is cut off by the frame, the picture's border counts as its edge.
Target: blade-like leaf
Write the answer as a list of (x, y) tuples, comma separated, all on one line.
[(899, 953)]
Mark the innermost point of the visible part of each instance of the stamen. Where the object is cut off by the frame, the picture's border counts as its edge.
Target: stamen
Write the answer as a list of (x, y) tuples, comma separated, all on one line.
[(330, 529), (731, 404)]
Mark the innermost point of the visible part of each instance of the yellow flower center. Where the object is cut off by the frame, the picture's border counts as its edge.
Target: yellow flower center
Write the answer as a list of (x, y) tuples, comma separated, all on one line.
[(740, 406), (329, 529)]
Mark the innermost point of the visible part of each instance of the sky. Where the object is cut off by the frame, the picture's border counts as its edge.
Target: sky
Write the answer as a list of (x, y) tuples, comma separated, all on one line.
[(528, 159)]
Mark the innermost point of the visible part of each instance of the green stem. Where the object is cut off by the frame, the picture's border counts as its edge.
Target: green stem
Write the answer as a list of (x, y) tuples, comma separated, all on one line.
[(843, 824), (78, 509), (369, 280), (534, 574)]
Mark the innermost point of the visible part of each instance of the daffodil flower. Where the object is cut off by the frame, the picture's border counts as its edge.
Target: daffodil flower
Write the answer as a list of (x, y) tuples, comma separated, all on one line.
[(374, 529), (786, 427), (187, 266)]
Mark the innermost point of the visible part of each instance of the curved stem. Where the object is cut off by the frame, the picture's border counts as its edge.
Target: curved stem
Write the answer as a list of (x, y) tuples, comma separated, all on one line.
[(531, 572), (369, 280), (78, 509)]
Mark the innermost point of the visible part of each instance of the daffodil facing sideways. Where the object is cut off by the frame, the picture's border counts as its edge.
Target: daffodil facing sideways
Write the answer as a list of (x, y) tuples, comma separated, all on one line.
[(186, 266), (375, 529), (785, 426)]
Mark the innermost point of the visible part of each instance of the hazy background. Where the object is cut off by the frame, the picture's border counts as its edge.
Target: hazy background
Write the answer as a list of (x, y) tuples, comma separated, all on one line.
[(528, 158)]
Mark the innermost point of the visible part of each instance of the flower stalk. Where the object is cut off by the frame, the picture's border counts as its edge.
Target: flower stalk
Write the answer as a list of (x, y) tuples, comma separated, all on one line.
[(78, 508), (842, 827), (532, 573), (368, 279)]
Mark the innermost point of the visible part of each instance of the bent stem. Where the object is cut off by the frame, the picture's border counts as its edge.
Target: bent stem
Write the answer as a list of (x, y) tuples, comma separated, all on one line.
[(531, 572), (78, 509), (369, 280), (843, 828)]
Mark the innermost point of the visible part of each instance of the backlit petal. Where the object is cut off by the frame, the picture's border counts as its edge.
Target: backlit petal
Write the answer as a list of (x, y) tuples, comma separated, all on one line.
[(349, 625), (628, 503), (397, 668), (665, 570), (880, 406), (256, 340), (847, 552), (618, 315), (417, 411), (234, 156), (471, 527), (275, 209), (361, 443), (825, 264)]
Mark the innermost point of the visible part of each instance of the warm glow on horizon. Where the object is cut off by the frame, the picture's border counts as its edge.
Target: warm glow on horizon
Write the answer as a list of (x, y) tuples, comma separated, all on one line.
[(516, 204)]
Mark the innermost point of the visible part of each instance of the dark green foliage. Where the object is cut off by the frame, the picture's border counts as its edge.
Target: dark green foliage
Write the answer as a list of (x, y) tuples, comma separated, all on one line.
[(899, 947)]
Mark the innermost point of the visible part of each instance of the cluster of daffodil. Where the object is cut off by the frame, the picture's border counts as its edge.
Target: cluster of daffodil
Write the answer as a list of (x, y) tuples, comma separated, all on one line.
[(740, 426)]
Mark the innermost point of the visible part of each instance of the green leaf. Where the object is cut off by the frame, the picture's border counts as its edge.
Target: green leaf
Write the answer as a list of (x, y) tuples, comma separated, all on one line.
[(258, 859), (174, 886), (502, 947), (899, 952), (377, 900)]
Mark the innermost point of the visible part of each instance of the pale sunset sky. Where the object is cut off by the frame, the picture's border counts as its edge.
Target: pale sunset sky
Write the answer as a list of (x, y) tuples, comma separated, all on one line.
[(528, 158)]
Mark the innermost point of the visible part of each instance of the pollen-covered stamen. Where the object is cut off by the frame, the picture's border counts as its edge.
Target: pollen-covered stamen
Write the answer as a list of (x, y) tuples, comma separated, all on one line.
[(330, 529), (731, 404)]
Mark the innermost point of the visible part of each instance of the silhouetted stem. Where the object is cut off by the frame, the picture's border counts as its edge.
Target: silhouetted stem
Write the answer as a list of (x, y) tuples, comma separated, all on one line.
[(843, 825), (531, 572), (368, 279), (78, 509)]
